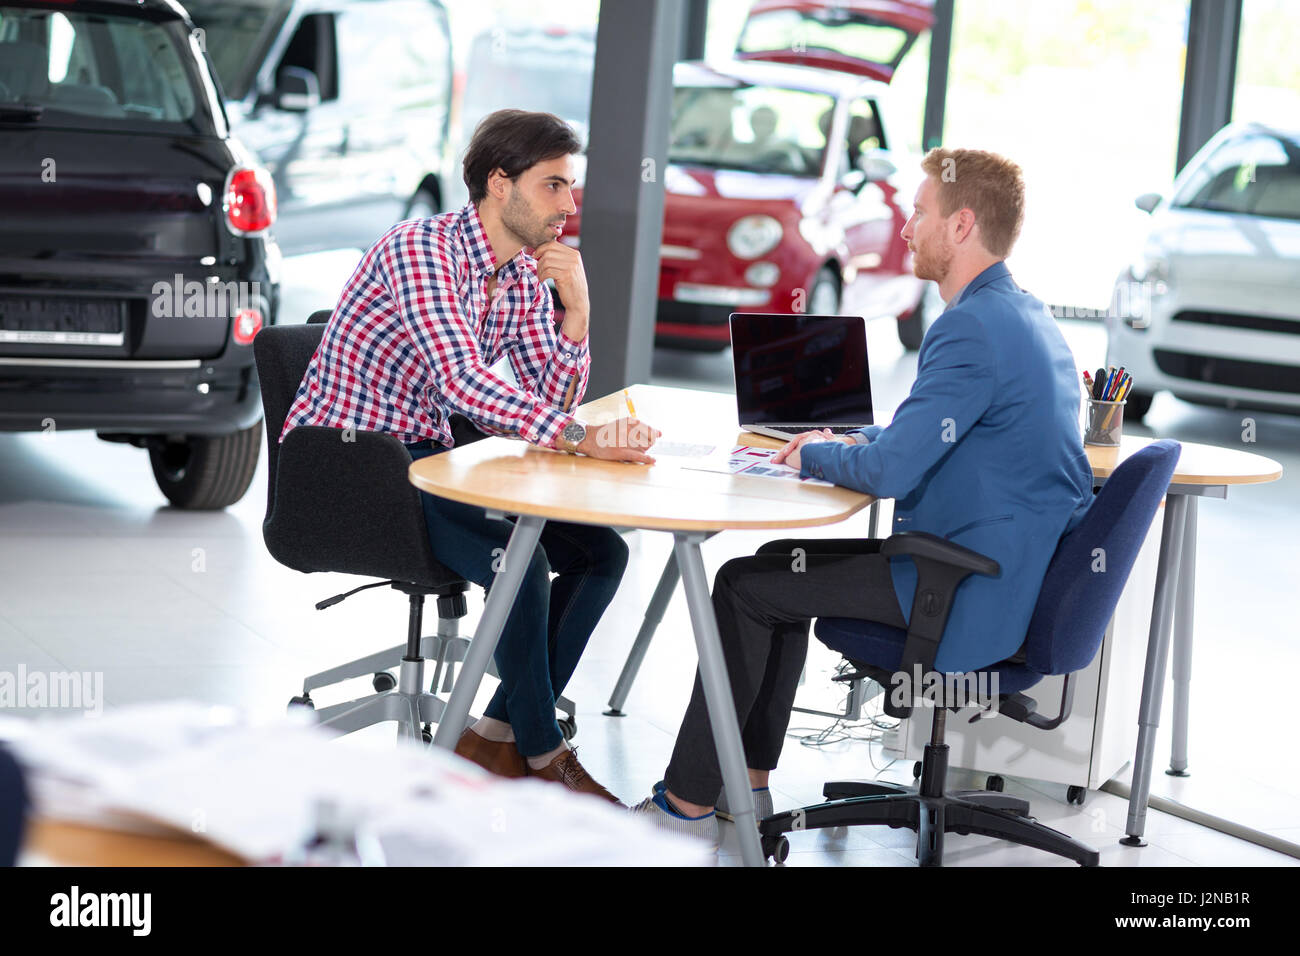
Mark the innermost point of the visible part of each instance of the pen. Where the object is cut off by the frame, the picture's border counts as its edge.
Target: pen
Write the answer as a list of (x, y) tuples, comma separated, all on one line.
[(1098, 383), (631, 409)]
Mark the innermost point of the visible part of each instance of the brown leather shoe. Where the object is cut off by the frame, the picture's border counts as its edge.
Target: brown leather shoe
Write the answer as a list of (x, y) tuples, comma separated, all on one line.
[(502, 759), (566, 770)]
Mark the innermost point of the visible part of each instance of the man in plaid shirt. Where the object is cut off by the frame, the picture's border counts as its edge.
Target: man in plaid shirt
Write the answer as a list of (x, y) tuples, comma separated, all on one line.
[(409, 350)]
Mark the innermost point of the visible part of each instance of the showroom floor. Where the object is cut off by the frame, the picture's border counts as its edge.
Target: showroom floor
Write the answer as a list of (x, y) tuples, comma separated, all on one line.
[(96, 574)]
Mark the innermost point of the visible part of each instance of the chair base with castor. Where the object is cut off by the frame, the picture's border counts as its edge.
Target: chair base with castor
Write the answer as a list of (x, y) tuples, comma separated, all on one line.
[(407, 703), (391, 701), (930, 812)]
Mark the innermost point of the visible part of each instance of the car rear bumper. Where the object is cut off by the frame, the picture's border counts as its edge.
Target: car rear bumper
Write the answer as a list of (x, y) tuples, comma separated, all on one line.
[(181, 396)]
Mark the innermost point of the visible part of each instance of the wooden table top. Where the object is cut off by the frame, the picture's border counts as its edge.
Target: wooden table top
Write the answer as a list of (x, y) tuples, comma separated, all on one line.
[(514, 477), (1197, 465), (83, 844)]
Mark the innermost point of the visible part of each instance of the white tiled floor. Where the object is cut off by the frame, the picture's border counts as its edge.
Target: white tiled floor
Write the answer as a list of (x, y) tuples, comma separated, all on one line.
[(96, 574)]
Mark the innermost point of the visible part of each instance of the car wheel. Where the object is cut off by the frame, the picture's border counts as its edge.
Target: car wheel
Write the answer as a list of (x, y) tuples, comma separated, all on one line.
[(911, 327), (1136, 405), (206, 472), (825, 296), (422, 206)]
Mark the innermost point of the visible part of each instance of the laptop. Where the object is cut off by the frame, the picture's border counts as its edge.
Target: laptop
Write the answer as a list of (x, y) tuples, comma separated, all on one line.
[(795, 373)]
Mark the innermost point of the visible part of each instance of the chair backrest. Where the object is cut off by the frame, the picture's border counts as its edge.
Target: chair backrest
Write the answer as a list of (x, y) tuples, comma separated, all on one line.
[(336, 499), (282, 353), (1084, 580)]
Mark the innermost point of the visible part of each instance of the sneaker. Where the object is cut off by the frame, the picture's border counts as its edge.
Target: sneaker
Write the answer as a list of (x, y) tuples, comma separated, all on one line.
[(762, 802), (655, 809)]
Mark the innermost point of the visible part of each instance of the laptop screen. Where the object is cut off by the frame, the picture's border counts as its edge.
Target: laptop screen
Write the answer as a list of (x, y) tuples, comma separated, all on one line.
[(801, 369)]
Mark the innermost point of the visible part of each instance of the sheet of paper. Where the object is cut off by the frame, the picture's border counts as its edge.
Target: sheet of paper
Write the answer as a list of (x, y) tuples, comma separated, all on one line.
[(677, 449), (753, 462)]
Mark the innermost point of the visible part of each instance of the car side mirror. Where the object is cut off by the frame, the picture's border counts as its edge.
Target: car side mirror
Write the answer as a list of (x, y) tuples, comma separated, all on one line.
[(1147, 202), (296, 89), (876, 165)]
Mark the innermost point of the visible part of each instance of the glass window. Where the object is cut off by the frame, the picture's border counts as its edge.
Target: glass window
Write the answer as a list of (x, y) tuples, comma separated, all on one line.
[(756, 128), (236, 35), (98, 71), (1256, 175), (1268, 70)]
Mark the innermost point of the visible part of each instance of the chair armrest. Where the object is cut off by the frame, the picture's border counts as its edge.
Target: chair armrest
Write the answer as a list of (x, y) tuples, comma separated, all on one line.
[(940, 567), (922, 544)]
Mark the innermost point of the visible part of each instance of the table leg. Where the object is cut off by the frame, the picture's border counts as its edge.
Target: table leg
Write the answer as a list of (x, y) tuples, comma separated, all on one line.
[(717, 694), (873, 518), (653, 615), (500, 599), (1153, 676), (1184, 621)]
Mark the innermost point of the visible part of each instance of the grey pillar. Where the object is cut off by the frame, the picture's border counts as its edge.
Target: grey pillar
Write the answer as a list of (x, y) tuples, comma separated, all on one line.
[(1210, 73), (695, 24), (623, 199), (936, 91)]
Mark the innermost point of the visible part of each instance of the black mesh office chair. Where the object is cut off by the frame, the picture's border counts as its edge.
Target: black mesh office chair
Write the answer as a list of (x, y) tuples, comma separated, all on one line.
[(339, 500)]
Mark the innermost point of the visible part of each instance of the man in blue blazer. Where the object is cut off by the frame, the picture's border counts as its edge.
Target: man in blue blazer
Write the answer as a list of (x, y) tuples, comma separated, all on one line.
[(985, 451)]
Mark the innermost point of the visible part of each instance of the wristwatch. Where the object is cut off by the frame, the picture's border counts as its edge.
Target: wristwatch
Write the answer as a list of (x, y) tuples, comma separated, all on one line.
[(572, 436)]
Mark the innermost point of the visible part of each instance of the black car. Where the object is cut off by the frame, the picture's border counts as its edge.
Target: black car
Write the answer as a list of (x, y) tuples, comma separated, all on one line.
[(136, 264), (346, 102)]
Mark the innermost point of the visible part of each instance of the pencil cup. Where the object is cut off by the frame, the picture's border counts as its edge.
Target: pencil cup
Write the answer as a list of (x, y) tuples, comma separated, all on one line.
[(1105, 423)]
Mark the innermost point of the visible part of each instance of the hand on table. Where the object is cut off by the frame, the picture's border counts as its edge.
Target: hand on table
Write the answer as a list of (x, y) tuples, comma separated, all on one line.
[(623, 440), (789, 453)]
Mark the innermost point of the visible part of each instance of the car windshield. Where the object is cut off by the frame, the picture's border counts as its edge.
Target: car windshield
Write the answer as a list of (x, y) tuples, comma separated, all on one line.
[(236, 35), (1257, 175), (762, 129), (70, 69)]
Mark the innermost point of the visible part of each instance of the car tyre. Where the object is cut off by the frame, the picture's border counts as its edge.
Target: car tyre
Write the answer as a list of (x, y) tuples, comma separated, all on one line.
[(422, 206), (1137, 404), (825, 296), (911, 327), (206, 472)]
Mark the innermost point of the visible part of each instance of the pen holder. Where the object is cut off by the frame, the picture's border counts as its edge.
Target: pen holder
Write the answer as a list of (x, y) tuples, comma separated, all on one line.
[(1105, 423)]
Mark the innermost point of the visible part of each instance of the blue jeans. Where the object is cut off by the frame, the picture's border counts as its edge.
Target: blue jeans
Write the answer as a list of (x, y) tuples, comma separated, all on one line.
[(551, 621)]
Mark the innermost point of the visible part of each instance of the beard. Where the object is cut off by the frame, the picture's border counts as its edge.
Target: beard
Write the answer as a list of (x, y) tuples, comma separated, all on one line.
[(524, 223), (932, 262)]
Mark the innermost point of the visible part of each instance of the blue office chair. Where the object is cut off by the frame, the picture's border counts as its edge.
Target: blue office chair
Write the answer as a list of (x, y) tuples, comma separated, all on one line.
[(13, 808), (1075, 603)]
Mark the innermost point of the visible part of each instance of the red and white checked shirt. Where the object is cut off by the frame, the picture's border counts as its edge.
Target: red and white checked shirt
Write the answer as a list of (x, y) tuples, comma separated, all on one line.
[(414, 335)]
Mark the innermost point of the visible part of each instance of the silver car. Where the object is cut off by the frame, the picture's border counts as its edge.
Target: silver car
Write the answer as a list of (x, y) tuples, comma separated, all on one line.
[(1210, 309)]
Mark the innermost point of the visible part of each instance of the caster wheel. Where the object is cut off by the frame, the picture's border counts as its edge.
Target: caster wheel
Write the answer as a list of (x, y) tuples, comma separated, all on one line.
[(303, 701), (568, 727), (426, 736), (776, 848), (994, 783), (916, 770), (1076, 795), (383, 681)]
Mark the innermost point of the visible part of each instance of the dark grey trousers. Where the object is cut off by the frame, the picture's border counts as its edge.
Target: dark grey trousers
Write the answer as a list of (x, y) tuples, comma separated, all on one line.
[(764, 605)]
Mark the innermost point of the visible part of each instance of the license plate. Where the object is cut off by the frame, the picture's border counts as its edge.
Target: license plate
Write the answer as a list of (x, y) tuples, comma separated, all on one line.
[(61, 320)]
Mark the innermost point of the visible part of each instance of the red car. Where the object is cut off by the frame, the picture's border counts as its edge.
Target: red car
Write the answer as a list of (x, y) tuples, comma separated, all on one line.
[(781, 195)]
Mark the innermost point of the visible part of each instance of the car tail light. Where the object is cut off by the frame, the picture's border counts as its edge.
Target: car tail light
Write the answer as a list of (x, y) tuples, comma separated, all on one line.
[(249, 202), (248, 322)]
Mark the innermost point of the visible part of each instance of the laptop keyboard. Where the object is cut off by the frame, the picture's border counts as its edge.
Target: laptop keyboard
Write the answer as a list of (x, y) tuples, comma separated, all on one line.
[(800, 429)]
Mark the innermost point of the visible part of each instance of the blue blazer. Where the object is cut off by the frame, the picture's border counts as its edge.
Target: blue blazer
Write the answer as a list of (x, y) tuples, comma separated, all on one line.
[(986, 450)]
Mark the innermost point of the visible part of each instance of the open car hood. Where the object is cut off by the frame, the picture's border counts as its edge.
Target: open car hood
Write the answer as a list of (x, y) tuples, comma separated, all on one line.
[(862, 37)]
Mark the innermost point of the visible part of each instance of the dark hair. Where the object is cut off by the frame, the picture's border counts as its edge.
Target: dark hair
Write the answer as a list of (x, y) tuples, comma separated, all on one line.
[(513, 141)]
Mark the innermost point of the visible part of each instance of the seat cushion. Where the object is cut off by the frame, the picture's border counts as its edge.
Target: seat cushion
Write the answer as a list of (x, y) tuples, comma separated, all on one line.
[(880, 645)]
